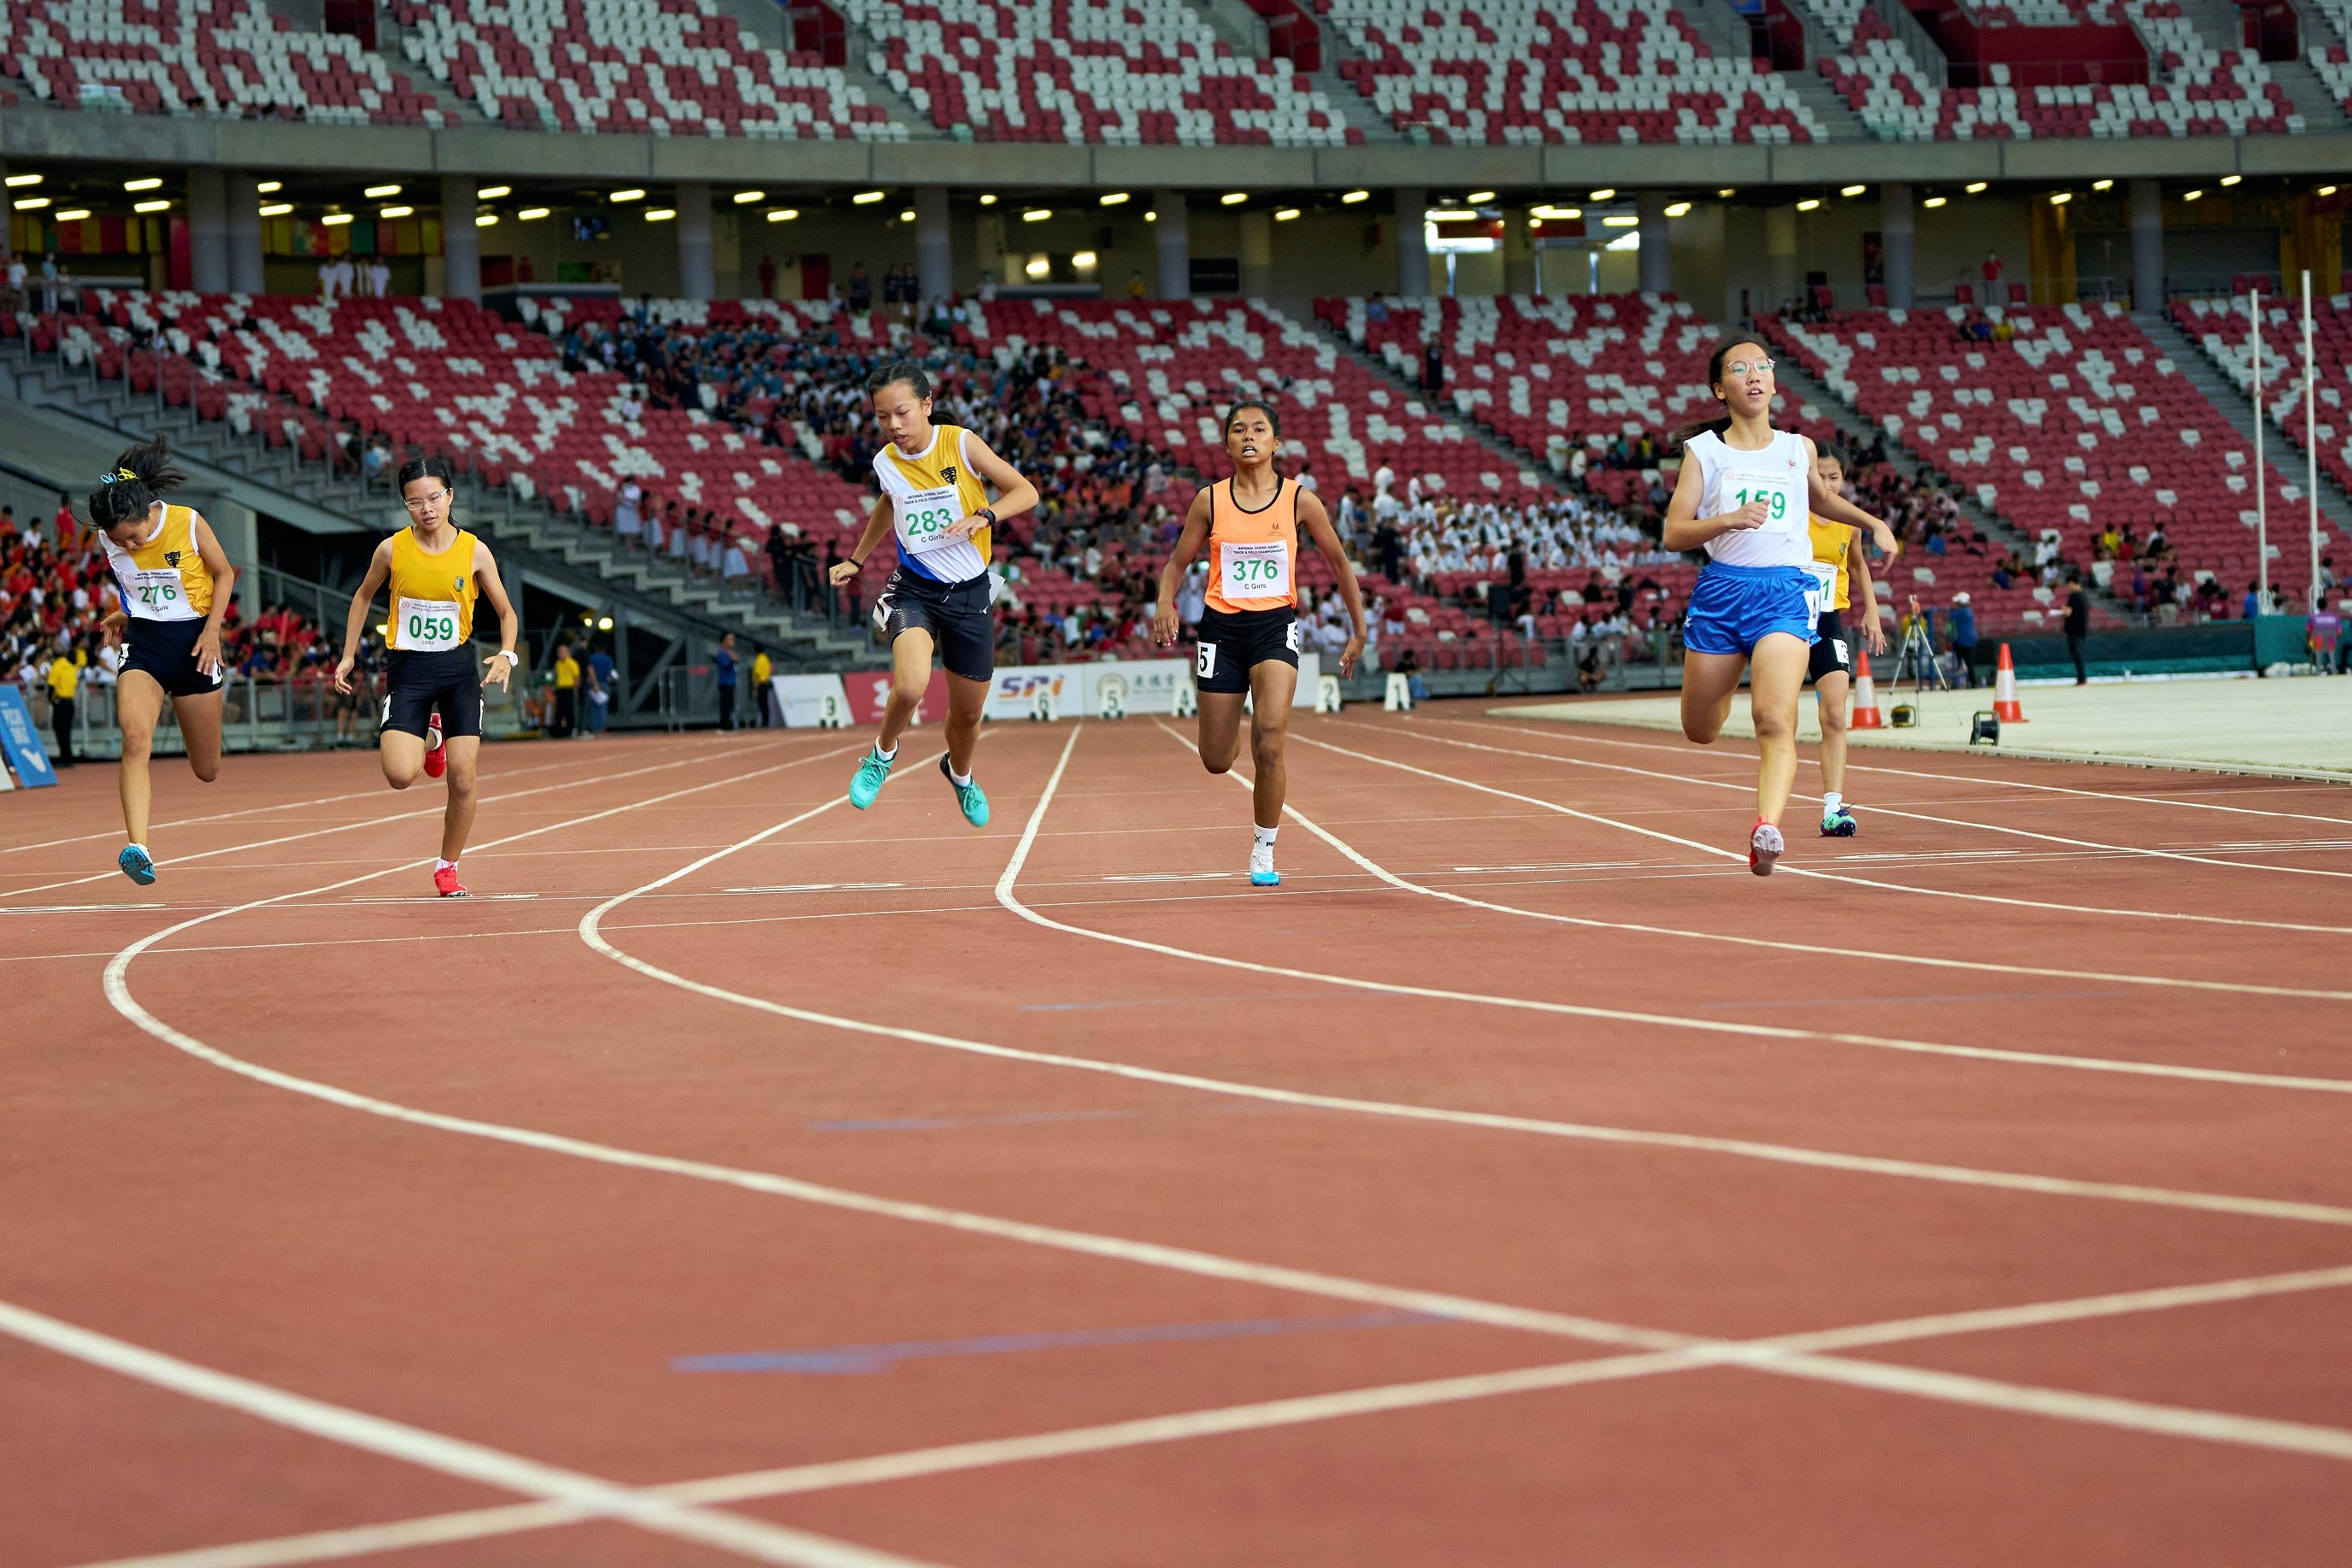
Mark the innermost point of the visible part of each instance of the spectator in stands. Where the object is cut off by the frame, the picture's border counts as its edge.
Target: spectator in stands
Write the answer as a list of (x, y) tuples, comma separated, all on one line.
[(52, 278), (566, 675), (1588, 665), (861, 290), (1433, 367), (380, 279), (2252, 605), (628, 520), (767, 273), (2078, 629), (12, 283)]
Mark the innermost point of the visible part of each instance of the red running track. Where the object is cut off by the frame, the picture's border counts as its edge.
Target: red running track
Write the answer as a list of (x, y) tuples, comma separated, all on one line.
[(748, 1177)]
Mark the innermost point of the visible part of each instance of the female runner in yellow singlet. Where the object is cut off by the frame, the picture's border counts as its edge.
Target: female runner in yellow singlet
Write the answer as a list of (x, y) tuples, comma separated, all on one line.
[(433, 706)]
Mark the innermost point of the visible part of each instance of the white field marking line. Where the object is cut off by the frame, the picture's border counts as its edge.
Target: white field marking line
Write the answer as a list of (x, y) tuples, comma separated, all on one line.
[(794, 1480), (1949, 821), (1983, 1392), (247, 812), (581, 1496), (1807, 950), (1785, 869), (1853, 766), (591, 932), (367, 822)]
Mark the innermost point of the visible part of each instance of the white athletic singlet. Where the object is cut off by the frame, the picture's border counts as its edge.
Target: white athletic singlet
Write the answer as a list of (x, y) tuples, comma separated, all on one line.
[(1776, 476)]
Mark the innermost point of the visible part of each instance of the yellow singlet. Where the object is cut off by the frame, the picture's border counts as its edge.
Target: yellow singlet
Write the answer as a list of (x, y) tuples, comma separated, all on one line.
[(1833, 543), (164, 579), (432, 595)]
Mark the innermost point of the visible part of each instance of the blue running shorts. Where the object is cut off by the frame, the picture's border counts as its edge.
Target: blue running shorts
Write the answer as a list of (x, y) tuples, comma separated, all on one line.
[(1735, 607)]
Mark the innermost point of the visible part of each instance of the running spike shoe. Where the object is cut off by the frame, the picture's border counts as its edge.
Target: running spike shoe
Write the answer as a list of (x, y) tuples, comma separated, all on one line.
[(971, 796), (446, 882), (866, 782), (1765, 846), (137, 864), (437, 749), (1839, 824), (1262, 872)]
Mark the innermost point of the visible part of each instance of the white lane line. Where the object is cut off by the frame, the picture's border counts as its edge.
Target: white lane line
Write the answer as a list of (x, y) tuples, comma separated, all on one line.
[(1810, 950), (1852, 767), (362, 822), (591, 932), (583, 1496), (794, 1480), (248, 812), (1786, 869)]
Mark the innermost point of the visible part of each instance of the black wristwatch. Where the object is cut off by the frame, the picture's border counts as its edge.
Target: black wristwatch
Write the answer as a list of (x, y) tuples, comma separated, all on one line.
[(989, 513)]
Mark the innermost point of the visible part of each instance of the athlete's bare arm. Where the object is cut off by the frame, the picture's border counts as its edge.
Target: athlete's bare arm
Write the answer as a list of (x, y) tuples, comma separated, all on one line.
[(1189, 540), (215, 559), (1685, 529), (1828, 503), (1865, 595), (1014, 495), (1318, 524), (501, 664), (379, 568), (877, 523)]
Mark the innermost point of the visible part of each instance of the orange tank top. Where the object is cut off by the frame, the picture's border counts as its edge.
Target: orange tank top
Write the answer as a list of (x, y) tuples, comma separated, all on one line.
[(1252, 556)]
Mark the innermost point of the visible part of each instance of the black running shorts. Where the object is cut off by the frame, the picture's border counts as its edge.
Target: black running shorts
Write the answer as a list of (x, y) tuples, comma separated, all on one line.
[(450, 679), (1833, 654), (1233, 642), (954, 613), (166, 650)]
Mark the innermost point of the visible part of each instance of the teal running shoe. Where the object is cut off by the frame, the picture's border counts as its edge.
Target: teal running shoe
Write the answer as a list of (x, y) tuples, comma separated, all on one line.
[(1262, 872), (1838, 824), (867, 781), (970, 797), (137, 864)]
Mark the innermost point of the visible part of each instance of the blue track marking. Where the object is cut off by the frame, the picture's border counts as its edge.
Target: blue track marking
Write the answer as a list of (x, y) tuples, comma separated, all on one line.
[(869, 1358)]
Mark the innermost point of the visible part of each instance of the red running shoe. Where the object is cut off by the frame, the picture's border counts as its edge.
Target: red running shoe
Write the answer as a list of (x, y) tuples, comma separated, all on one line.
[(446, 882), (1765, 846), (436, 750)]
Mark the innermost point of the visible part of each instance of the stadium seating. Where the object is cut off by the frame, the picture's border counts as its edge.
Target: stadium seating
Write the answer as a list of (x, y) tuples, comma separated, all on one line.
[(2220, 327), (1125, 74), (446, 376), (2077, 423), (663, 68), (228, 57), (1517, 71), (2200, 88), (1172, 367)]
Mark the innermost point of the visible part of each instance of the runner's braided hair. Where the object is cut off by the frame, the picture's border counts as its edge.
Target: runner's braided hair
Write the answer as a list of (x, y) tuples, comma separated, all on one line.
[(138, 480)]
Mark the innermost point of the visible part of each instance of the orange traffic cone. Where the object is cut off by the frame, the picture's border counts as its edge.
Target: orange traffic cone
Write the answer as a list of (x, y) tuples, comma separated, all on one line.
[(2004, 691), (1865, 696)]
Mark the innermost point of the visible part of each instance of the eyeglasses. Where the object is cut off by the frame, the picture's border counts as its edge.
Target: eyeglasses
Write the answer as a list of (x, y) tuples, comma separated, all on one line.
[(426, 503), (1747, 367)]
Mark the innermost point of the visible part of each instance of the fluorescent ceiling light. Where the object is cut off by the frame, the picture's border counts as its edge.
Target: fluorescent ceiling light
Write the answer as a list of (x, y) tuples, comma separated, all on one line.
[(492, 193), (377, 193)]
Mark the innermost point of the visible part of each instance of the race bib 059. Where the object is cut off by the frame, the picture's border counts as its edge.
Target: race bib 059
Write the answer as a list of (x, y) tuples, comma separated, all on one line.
[(427, 625)]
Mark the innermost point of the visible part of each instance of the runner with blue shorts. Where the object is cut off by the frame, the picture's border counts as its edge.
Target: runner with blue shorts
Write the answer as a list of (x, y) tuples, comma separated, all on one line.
[(1743, 496)]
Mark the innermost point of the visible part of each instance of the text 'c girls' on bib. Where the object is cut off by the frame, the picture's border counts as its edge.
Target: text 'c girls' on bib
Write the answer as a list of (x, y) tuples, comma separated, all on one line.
[(1252, 556), (929, 493), (1778, 476), (163, 579), (432, 595)]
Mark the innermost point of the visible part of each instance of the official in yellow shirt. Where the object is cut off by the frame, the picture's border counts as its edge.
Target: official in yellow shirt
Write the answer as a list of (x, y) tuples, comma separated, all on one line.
[(64, 679), (763, 669)]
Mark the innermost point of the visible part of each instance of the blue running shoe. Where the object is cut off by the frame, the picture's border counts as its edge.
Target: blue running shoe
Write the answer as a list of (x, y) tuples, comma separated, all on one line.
[(970, 797), (1838, 824), (137, 864), (867, 781), (1262, 872)]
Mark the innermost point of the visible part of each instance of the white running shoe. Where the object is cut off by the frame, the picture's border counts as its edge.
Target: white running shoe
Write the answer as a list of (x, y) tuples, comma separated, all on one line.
[(1765, 846), (1262, 872)]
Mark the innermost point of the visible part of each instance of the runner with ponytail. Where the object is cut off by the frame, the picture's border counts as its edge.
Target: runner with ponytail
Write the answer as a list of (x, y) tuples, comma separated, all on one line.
[(173, 580)]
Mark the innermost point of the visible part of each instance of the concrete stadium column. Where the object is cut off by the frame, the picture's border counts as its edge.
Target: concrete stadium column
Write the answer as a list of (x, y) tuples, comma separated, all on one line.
[(1413, 241), (1519, 253), (7, 205), (1258, 255), (934, 242), (1171, 237), (1895, 228), (697, 277), (2147, 245), (244, 218), (208, 231), (461, 242), (1779, 256), (1657, 251)]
